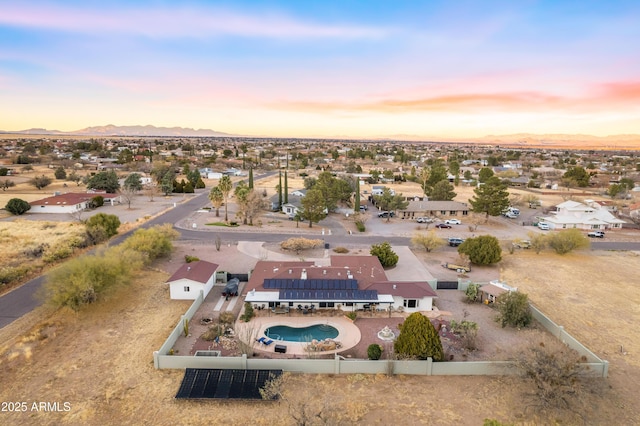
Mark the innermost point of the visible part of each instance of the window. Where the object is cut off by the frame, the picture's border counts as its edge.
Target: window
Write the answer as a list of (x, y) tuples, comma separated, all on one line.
[(348, 304), (410, 303), (443, 212), (290, 304), (186, 289), (330, 304), (323, 304), (465, 212), (453, 213)]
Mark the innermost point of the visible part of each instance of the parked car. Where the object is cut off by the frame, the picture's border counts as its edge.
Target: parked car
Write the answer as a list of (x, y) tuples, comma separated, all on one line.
[(452, 222), (543, 226), (424, 220), (443, 225), (455, 241), (596, 234), (363, 208), (386, 214)]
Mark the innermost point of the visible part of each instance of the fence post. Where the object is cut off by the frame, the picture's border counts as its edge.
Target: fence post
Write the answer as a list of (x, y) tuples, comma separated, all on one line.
[(605, 368), (336, 367), (156, 361), (561, 333), (244, 361), (429, 366)]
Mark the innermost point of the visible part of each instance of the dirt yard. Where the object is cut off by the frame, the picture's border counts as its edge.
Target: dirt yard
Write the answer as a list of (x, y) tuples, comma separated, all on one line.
[(100, 360)]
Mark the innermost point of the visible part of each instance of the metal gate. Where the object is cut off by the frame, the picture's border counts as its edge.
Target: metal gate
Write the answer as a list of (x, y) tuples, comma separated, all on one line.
[(240, 277), (447, 285)]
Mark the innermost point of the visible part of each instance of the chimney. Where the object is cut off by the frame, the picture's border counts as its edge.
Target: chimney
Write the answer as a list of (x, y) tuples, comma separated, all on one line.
[(188, 268), (304, 274), (289, 271), (395, 287), (324, 272), (349, 275)]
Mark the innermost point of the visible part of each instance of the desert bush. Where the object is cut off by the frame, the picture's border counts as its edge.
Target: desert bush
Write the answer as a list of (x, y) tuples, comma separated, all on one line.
[(299, 244), (97, 201), (212, 332), (567, 241), (154, 242), (35, 252), (189, 259), (360, 226), (11, 274), (58, 252), (87, 279), (341, 250), (513, 308), (226, 318), (352, 315), (429, 241), (472, 292), (374, 351), (467, 330), (103, 223), (385, 254), (17, 207)]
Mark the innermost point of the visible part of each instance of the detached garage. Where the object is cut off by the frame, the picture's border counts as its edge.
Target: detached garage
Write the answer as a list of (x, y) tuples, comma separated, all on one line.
[(186, 282)]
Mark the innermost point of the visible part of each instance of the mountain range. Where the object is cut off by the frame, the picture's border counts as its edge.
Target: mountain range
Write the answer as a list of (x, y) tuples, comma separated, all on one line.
[(111, 130)]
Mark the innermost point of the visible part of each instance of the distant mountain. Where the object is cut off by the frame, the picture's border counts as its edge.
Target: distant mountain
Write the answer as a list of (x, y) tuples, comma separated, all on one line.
[(112, 130)]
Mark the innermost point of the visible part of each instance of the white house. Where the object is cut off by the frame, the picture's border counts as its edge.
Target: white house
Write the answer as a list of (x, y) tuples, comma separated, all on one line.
[(410, 296), (572, 214), (186, 282), (70, 202), (379, 189)]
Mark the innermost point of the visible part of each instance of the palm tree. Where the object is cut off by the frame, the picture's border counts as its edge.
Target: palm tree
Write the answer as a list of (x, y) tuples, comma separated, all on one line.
[(217, 199), (225, 186)]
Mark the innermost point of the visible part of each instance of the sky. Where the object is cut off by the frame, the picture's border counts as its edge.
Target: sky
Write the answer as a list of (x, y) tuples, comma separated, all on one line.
[(333, 68)]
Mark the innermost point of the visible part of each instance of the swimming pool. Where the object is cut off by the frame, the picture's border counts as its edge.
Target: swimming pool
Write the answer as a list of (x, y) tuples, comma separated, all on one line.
[(301, 334)]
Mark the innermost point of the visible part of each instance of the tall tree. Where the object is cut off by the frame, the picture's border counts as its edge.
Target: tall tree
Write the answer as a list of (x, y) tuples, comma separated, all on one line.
[(217, 199), (442, 191), (286, 187), (133, 182), (491, 198), (279, 189), (418, 339), (484, 174), (226, 186), (576, 176), (390, 202), (313, 205), (356, 203), (166, 185), (104, 181), (251, 178)]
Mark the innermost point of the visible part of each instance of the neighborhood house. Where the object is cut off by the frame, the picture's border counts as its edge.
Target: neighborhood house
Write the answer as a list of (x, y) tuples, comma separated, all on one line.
[(186, 282)]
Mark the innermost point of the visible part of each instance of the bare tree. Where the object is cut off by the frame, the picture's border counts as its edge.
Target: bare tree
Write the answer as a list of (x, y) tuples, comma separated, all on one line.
[(150, 190)]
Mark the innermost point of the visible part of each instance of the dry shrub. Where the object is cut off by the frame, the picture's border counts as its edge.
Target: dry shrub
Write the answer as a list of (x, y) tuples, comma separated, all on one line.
[(299, 244), (341, 250)]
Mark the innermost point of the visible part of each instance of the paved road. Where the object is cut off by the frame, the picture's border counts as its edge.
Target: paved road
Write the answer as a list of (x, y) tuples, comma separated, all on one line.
[(24, 299)]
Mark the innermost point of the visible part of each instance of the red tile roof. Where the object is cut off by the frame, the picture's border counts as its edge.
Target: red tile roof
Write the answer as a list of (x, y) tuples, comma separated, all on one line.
[(199, 271), (71, 198)]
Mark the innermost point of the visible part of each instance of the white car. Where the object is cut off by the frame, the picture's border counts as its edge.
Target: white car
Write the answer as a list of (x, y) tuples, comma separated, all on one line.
[(452, 222), (424, 220), (543, 226)]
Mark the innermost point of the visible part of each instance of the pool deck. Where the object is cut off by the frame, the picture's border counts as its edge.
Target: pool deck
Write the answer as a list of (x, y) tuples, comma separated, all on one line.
[(348, 334)]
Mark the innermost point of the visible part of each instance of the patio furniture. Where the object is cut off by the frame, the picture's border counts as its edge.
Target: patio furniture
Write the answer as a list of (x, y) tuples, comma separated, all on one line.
[(267, 341), (261, 340), (280, 349)]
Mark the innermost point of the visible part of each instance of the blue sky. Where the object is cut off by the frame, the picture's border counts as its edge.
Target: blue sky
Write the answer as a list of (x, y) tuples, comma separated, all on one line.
[(418, 69)]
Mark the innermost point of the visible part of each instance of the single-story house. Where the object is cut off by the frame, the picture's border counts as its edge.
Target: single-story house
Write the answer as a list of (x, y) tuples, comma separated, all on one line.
[(299, 193), (417, 208), (186, 282), (349, 283), (71, 202)]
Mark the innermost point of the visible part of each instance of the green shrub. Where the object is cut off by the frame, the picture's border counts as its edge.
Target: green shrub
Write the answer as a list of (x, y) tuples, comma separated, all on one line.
[(564, 242), (482, 250), (388, 258), (13, 274), (352, 315), (58, 252), (86, 279), (341, 250), (154, 242), (472, 292), (189, 259), (248, 312), (360, 226), (17, 207), (514, 309), (97, 201), (107, 224), (418, 339), (374, 351)]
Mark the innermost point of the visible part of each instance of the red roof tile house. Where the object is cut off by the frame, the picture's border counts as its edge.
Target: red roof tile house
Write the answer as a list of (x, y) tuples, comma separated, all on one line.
[(186, 282), (70, 202), (350, 283)]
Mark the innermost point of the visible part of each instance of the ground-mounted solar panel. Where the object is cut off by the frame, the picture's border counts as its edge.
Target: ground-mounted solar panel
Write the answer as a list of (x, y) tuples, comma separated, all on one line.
[(249, 388), (224, 384), (212, 383), (235, 389)]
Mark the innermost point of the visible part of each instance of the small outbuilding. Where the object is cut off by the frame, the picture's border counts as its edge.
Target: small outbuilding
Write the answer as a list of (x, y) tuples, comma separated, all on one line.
[(186, 282)]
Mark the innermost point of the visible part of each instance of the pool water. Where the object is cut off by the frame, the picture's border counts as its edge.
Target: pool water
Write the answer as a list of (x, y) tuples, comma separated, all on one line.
[(301, 334)]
